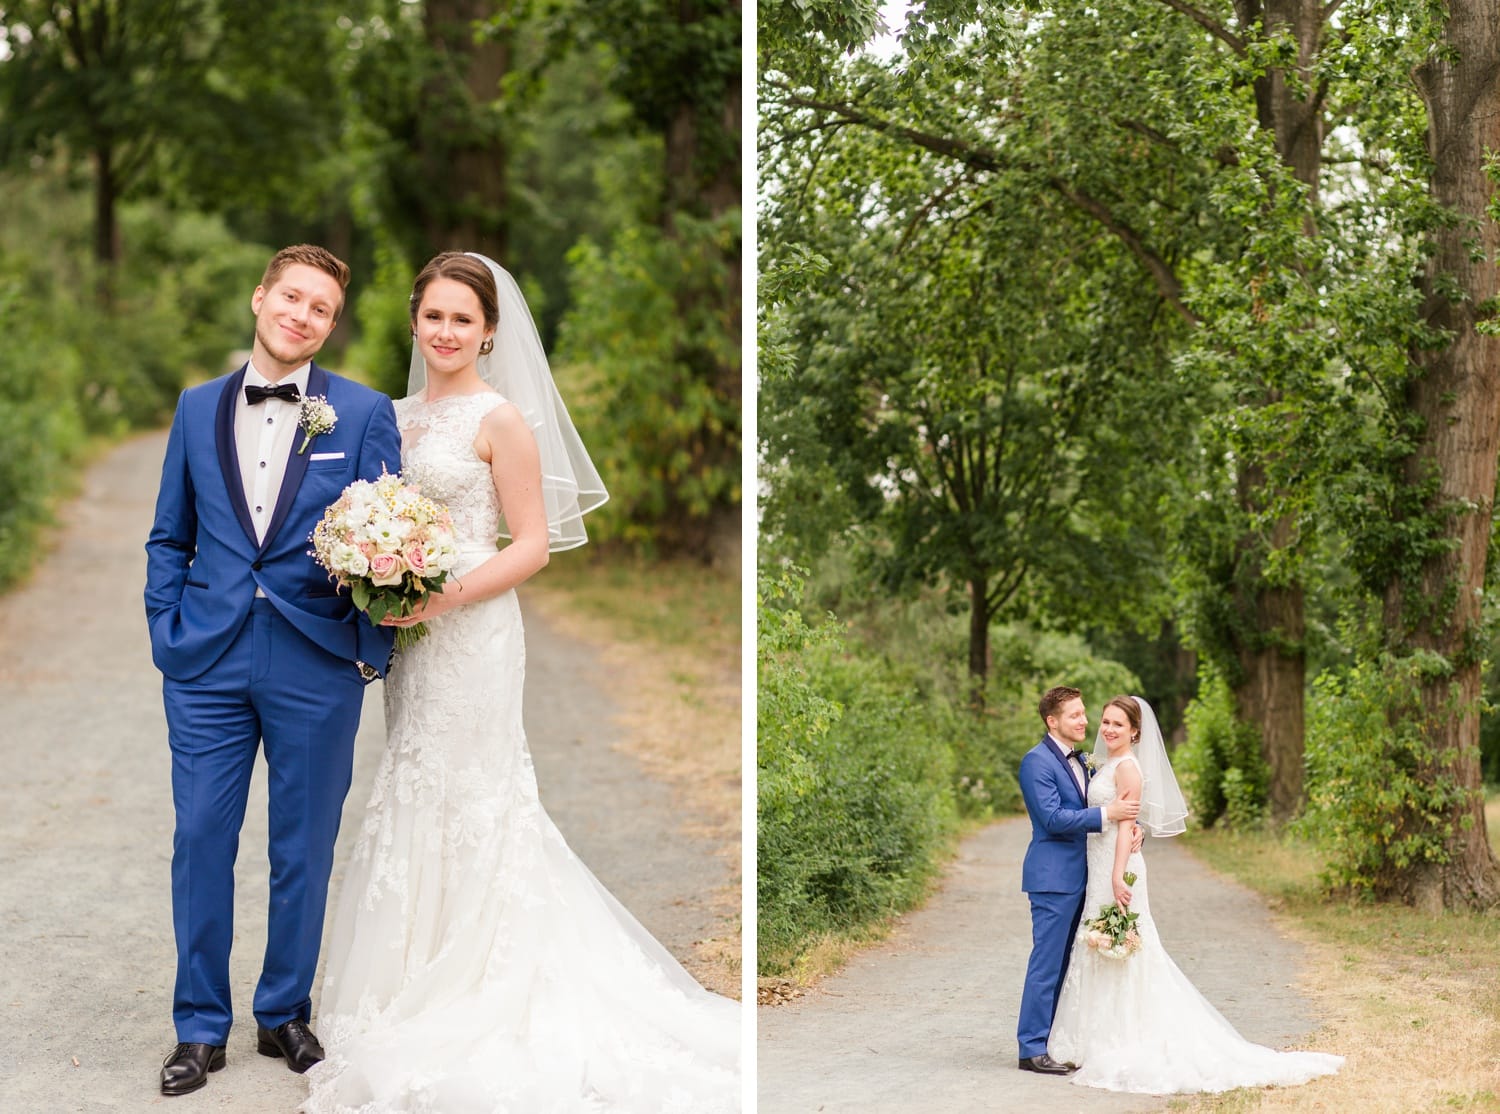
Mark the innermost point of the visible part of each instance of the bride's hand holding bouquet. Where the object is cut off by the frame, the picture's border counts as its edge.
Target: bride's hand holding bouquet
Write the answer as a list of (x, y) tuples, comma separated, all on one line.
[(392, 547)]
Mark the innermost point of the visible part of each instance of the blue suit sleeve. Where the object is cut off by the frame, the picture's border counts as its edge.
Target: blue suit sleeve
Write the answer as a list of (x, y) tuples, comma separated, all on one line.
[(174, 532), (380, 450), (1042, 790)]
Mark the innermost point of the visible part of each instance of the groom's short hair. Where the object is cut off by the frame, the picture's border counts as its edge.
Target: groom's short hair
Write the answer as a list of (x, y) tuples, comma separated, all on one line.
[(1055, 698), (312, 256)]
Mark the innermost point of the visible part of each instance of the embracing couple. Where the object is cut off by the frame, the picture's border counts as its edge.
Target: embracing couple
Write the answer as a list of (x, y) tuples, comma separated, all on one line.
[(475, 963), (1119, 1018)]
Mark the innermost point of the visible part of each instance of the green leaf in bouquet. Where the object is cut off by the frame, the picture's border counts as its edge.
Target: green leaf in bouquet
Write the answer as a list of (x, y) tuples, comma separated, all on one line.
[(361, 595)]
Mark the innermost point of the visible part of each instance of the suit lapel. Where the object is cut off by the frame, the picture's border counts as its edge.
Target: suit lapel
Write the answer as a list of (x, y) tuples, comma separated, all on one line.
[(296, 463), (1068, 770), (229, 460)]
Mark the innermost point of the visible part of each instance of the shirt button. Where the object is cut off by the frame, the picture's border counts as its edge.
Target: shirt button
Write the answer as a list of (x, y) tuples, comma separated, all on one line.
[(270, 421), (263, 464), (257, 510)]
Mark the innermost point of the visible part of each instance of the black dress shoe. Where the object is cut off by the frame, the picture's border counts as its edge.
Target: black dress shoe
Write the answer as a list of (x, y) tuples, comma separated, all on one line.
[(187, 1068), (1046, 1065), (294, 1041)]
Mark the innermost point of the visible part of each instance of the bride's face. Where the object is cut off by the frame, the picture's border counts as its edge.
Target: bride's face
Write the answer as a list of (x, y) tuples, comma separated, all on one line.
[(450, 327), (1116, 730)]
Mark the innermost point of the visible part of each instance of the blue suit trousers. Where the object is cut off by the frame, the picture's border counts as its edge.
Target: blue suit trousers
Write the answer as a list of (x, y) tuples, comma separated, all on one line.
[(273, 685), (1054, 923)]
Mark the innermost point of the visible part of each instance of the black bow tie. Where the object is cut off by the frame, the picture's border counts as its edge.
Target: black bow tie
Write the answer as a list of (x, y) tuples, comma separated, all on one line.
[(1081, 755), (286, 391)]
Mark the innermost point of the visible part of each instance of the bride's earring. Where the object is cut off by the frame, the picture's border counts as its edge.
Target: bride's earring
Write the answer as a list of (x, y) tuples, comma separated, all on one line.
[(487, 347)]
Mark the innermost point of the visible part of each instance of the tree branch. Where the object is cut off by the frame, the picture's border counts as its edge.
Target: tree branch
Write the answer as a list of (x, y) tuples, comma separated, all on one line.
[(1161, 271), (973, 155), (1209, 24)]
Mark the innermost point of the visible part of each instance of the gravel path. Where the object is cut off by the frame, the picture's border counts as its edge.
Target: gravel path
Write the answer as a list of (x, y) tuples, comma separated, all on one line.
[(86, 954), (926, 1021)]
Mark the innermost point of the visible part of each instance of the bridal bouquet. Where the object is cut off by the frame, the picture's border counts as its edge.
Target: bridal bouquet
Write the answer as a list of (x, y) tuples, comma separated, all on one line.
[(1113, 933), (390, 545)]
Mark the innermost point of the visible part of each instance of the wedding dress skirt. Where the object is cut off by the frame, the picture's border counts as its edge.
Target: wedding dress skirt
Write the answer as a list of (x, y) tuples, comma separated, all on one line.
[(475, 963), (1138, 1024)]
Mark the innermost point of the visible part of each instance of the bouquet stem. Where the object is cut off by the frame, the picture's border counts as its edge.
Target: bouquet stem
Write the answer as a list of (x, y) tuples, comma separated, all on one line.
[(407, 637)]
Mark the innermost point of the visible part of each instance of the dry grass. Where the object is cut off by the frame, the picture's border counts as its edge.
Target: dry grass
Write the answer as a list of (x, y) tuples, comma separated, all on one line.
[(669, 636), (1412, 1001)]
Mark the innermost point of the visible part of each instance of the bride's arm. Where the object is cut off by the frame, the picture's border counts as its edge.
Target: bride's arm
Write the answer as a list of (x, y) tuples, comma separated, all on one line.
[(506, 444), (1128, 785)]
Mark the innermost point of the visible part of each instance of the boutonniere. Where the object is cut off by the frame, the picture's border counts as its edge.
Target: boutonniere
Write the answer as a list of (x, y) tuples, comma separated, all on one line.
[(1092, 763), (314, 419)]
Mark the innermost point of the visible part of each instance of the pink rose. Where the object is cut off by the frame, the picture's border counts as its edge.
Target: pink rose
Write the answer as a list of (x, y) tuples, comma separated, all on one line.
[(386, 569), (416, 560)]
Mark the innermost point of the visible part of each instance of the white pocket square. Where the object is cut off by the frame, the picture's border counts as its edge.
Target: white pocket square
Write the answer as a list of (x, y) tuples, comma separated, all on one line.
[(326, 456)]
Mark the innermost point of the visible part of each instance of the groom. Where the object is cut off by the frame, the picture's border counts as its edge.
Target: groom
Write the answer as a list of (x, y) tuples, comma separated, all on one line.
[(255, 646), (1054, 784)]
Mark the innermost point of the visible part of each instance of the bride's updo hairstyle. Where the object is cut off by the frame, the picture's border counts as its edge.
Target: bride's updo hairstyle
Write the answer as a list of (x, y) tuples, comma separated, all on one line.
[(472, 272), (1132, 712)]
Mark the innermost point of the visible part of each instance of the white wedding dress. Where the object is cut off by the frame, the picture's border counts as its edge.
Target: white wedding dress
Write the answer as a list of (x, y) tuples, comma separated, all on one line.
[(1138, 1024), (475, 963)]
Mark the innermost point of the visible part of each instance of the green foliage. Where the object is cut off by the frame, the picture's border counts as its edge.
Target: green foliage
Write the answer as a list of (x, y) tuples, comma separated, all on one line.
[(1220, 765), (854, 809), (1376, 802), (382, 309), (71, 371), (41, 429), (922, 641), (654, 349)]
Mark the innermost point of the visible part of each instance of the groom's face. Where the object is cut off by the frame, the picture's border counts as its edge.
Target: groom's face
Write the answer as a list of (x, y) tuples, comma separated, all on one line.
[(294, 317), (1070, 724)]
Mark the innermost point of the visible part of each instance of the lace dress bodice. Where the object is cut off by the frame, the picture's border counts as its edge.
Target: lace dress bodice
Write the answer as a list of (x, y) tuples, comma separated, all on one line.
[(1101, 850), (437, 454)]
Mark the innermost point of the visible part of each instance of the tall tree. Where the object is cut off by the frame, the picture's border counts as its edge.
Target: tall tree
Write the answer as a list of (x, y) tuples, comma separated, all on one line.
[(99, 80), (1456, 394), (671, 410), (982, 410)]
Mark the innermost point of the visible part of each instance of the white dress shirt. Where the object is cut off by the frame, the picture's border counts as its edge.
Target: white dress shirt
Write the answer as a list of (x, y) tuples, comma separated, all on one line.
[(263, 436)]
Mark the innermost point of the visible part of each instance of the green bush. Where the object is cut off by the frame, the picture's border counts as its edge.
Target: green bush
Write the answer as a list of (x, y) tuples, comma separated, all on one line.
[(41, 431), (854, 806), (1220, 766), (1371, 801), (651, 347), (926, 644)]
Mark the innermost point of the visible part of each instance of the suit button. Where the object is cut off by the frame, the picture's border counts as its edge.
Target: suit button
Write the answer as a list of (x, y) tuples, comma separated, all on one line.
[(256, 566)]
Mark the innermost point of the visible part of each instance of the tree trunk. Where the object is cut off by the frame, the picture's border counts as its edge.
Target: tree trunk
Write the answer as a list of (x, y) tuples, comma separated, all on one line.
[(106, 229), (701, 178), (1269, 692), (979, 640), (460, 132), (1457, 395), (1272, 668)]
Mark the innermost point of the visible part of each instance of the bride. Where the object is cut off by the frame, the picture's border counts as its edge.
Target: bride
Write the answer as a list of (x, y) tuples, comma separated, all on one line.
[(1137, 1024), (475, 964)]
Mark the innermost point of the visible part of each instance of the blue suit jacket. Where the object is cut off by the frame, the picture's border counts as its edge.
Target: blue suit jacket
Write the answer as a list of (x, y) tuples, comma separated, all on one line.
[(203, 563), (1057, 859)]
